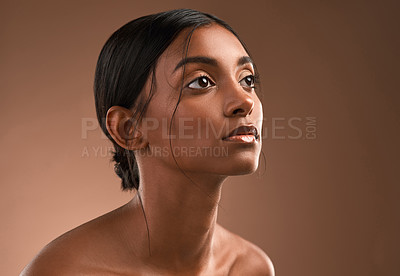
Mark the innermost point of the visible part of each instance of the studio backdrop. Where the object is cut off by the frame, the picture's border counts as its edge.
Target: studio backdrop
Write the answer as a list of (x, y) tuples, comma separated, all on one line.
[(324, 201)]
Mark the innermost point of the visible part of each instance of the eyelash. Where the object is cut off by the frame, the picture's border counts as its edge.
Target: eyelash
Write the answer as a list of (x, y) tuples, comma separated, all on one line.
[(254, 81)]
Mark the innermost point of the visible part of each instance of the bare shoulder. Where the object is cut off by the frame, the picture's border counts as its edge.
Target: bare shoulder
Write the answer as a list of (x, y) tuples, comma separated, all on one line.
[(253, 261), (57, 257), (249, 258), (76, 252)]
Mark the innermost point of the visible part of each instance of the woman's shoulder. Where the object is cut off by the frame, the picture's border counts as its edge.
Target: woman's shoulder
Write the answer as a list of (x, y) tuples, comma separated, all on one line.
[(61, 256), (248, 258), (75, 252)]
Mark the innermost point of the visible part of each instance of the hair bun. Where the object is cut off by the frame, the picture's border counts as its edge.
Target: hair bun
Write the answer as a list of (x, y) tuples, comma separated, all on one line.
[(124, 163)]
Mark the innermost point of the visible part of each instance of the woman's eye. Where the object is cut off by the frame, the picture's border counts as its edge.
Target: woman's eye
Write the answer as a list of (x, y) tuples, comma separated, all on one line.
[(248, 81), (200, 83)]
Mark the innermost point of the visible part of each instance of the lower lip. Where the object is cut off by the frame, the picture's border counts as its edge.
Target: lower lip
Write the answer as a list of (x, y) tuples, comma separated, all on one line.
[(241, 138)]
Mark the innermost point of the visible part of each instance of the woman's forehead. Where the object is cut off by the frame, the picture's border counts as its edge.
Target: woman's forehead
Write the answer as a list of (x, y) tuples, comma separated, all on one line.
[(212, 41)]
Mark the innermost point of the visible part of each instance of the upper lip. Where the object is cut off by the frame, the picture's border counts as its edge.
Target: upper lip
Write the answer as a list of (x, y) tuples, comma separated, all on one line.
[(244, 130)]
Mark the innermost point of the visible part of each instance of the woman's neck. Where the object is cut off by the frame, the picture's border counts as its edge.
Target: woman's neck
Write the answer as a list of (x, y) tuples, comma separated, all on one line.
[(181, 215)]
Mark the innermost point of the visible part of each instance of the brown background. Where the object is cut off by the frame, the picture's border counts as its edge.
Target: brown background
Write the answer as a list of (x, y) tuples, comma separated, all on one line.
[(325, 206)]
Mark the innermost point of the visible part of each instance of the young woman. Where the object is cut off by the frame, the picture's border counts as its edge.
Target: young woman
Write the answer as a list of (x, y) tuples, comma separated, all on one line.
[(176, 94)]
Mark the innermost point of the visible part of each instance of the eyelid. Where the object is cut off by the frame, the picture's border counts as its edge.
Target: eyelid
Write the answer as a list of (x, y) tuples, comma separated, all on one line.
[(198, 77), (252, 71), (246, 68)]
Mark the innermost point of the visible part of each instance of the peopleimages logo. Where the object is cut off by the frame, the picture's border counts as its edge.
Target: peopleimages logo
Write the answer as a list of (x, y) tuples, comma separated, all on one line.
[(274, 128), (279, 128)]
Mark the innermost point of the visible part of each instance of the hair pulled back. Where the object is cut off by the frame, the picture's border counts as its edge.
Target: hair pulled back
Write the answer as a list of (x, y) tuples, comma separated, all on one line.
[(124, 65)]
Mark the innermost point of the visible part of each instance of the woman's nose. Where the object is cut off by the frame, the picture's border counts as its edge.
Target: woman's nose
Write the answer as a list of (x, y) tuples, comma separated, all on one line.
[(238, 102)]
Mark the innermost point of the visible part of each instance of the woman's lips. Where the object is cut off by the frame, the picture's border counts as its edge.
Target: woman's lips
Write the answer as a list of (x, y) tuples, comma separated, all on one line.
[(243, 134), (243, 138)]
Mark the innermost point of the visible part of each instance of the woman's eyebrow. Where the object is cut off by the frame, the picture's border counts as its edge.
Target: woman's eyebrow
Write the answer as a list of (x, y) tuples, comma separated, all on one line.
[(244, 60), (211, 61)]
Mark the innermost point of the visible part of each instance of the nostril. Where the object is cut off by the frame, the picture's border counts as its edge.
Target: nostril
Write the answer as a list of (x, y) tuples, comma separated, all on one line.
[(238, 110), (251, 110), (238, 107)]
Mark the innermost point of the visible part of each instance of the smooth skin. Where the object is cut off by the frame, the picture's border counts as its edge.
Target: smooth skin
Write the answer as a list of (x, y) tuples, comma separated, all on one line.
[(181, 208)]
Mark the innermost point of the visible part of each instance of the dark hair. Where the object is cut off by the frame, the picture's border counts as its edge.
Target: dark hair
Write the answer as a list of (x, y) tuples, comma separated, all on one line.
[(124, 65)]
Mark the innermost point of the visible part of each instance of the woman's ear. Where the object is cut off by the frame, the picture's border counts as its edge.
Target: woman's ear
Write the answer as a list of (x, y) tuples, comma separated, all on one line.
[(123, 129)]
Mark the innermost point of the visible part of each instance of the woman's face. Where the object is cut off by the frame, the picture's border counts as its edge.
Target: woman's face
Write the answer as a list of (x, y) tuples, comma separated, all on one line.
[(217, 98)]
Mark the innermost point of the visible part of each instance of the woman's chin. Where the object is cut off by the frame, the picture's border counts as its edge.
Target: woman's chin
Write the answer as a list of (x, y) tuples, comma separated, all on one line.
[(243, 170), (238, 164), (239, 167)]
